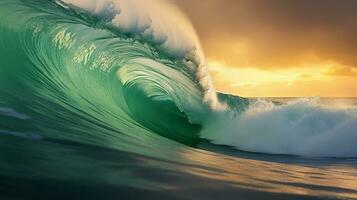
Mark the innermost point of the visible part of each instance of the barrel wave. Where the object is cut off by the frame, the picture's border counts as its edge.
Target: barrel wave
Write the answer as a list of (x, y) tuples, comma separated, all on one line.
[(112, 99), (65, 66), (97, 74)]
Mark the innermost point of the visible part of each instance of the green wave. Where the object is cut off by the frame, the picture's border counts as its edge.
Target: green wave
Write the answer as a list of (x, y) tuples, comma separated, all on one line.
[(79, 78)]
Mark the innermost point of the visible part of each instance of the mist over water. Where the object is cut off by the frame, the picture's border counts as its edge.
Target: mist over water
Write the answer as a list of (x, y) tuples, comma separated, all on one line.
[(109, 99)]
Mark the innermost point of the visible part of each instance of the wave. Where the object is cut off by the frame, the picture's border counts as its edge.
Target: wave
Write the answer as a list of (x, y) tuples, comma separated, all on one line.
[(117, 72), (59, 55), (306, 127)]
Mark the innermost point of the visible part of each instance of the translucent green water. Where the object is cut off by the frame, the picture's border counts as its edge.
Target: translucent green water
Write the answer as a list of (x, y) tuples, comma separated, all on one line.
[(88, 111)]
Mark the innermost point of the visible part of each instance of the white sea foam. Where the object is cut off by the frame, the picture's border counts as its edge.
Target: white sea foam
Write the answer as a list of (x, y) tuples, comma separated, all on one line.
[(162, 23), (155, 19), (302, 127)]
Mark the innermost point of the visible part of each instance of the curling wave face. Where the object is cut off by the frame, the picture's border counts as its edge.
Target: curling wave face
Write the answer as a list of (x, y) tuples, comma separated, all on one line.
[(117, 74), (62, 62)]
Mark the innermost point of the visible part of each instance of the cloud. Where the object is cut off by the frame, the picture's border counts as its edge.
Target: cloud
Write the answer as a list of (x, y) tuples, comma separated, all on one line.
[(342, 71), (277, 33)]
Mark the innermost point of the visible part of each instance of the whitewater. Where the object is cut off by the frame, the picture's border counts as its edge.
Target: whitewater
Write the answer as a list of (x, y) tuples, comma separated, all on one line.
[(302, 127), (115, 97)]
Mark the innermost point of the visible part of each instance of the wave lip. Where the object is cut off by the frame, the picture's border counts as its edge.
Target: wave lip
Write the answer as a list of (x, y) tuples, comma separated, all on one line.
[(99, 73)]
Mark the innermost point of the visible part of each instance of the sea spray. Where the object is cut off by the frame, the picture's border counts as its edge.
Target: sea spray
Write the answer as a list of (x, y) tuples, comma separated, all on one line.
[(304, 127)]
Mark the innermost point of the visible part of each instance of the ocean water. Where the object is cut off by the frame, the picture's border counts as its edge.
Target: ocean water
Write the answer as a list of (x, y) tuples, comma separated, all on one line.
[(111, 100)]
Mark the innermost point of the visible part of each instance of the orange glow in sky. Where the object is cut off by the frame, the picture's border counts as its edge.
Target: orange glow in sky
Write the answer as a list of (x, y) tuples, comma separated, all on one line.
[(278, 48)]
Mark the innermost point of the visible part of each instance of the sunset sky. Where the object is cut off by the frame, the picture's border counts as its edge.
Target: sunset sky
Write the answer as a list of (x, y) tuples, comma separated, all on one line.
[(278, 47)]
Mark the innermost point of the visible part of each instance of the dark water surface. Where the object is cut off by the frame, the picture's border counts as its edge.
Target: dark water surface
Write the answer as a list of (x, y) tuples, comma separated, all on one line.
[(68, 170), (38, 168)]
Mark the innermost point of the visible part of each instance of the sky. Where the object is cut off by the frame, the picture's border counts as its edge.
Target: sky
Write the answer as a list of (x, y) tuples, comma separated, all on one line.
[(278, 48)]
